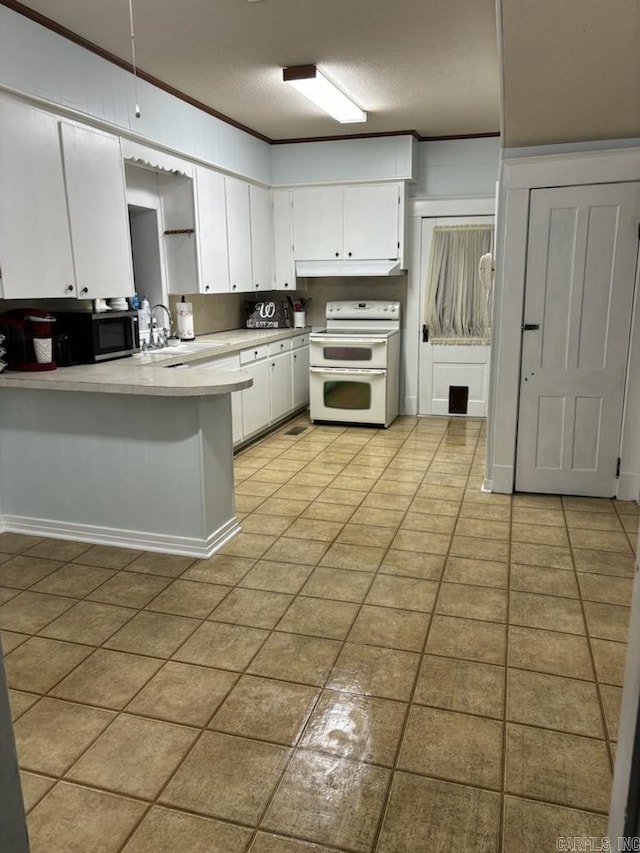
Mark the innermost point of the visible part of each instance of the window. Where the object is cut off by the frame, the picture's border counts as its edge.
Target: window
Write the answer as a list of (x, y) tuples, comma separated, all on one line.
[(457, 306)]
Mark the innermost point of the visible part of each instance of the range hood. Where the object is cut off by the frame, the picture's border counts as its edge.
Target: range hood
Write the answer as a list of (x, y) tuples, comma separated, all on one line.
[(346, 267)]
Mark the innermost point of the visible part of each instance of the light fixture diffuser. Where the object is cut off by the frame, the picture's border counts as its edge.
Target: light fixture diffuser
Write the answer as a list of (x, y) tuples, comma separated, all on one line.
[(323, 92)]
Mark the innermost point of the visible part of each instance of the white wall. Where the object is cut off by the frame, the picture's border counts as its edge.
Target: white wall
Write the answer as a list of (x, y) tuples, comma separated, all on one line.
[(457, 167)]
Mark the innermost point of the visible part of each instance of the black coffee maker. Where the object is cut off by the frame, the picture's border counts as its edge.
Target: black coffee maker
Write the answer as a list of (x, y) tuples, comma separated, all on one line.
[(28, 339)]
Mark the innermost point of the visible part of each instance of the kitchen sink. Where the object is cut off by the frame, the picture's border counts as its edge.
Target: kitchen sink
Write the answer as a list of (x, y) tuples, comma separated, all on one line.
[(183, 348)]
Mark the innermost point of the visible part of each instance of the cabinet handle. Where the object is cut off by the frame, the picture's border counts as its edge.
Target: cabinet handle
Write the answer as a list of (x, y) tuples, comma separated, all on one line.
[(286, 284), (337, 254), (257, 286), (206, 287), (69, 288), (85, 290), (234, 287), (255, 352), (349, 253)]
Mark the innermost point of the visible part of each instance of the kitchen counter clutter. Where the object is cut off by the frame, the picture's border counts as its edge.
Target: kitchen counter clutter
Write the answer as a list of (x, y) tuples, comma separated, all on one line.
[(143, 457)]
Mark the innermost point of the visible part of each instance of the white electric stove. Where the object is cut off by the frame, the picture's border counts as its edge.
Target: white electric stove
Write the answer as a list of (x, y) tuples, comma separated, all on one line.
[(354, 373)]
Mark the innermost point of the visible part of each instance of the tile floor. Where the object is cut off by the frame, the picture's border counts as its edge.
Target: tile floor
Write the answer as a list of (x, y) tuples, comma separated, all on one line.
[(385, 660)]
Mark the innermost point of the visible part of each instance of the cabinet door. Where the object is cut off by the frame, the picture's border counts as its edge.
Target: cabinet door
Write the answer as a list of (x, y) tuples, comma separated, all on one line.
[(35, 244), (281, 385), (261, 237), (239, 234), (317, 223), (256, 400), (180, 240), (300, 371), (285, 270), (96, 196), (371, 222), (212, 231)]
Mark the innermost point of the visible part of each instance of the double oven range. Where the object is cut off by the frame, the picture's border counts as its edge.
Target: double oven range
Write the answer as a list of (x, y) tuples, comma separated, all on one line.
[(354, 373)]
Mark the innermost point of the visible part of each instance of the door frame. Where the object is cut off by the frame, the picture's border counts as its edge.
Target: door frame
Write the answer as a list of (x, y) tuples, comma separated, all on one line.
[(517, 178)]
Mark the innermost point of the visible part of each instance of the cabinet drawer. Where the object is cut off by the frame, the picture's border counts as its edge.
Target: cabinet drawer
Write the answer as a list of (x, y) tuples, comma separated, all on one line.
[(276, 347), (299, 341), (247, 356), (229, 362)]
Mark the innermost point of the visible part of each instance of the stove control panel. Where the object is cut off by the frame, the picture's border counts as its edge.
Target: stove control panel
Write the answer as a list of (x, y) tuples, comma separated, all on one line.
[(372, 310)]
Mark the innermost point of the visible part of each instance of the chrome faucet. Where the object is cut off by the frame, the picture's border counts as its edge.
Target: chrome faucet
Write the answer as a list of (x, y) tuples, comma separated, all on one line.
[(164, 333)]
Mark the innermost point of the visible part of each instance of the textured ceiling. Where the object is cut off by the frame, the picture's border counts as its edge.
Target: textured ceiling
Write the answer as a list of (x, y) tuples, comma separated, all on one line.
[(424, 65)]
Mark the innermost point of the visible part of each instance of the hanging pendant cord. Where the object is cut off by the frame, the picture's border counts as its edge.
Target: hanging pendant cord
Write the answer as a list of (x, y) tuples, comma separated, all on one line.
[(133, 59)]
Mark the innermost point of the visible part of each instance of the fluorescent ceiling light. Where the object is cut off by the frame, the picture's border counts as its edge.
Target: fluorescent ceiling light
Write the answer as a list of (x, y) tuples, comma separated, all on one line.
[(317, 87)]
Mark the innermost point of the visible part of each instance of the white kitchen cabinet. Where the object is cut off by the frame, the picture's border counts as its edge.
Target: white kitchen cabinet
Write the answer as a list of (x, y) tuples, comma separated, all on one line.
[(281, 379), (35, 243), (212, 231), (261, 207), (256, 402), (180, 240), (300, 372), (361, 222), (98, 216), (284, 265), (239, 235)]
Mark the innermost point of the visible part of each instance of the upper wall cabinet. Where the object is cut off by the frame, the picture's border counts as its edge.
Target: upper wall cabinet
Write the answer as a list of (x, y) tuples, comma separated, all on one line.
[(239, 234), (63, 222), (283, 261), (261, 237), (212, 231), (353, 222)]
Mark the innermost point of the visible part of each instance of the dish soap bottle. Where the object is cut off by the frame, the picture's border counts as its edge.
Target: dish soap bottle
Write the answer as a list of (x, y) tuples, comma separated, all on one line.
[(144, 321)]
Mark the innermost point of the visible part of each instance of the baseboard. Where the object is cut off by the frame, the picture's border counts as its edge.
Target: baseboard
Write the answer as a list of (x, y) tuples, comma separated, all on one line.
[(200, 549), (487, 486), (628, 487)]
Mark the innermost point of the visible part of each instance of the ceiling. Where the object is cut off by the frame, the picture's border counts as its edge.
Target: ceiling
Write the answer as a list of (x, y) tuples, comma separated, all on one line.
[(564, 70)]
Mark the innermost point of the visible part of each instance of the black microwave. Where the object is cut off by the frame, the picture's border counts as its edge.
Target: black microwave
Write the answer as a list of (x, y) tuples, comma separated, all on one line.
[(100, 336)]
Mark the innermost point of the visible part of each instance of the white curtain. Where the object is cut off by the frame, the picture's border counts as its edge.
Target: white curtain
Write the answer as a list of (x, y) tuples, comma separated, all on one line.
[(456, 305)]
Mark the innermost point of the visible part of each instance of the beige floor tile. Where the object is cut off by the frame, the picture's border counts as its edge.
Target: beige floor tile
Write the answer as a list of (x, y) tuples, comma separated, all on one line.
[(531, 827), (53, 734), (413, 564), (472, 602), (168, 565), (431, 746), (477, 572), (268, 842), (607, 621), (626, 507), (265, 709), (189, 598), (434, 506), (630, 524), (318, 617), (7, 594), (546, 611), (308, 478), (366, 534), (34, 788), (609, 658), (353, 482), (297, 492), (539, 579), (403, 592), (293, 657), (468, 639), (129, 589), (550, 651), (284, 507), (537, 515), (134, 756), (22, 572), (108, 679), (476, 548), (391, 486), (557, 767), (254, 608), (38, 664), (272, 525), (473, 509), (552, 702), (20, 702), (269, 474), (74, 579), (154, 634), (314, 529), (183, 693), (604, 562), (442, 493), (551, 556), (221, 569), (363, 728), (17, 543), (350, 497), (221, 646), (386, 626), (577, 504), (611, 699), (357, 557), (329, 512), (227, 777), (427, 543), (384, 501), (374, 671), (483, 528), (28, 612), (338, 584), (167, 831), (248, 545), (11, 640), (537, 501), (428, 523), (254, 488), (390, 518), (300, 551), (276, 577), (429, 815), (108, 557), (600, 540), (88, 622), (58, 823), (434, 478), (329, 800), (539, 534), (460, 685), (593, 521)]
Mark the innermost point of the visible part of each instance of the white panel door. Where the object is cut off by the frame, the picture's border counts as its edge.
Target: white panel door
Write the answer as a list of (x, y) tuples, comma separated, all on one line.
[(317, 223), (371, 222), (212, 231), (581, 266), (239, 234)]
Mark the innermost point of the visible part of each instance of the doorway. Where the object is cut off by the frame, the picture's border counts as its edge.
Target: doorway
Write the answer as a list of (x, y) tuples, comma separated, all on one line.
[(579, 292)]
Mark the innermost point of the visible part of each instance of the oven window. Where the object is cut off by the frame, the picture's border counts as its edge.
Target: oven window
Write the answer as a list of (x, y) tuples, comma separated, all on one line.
[(347, 353), (113, 335), (344, 394)]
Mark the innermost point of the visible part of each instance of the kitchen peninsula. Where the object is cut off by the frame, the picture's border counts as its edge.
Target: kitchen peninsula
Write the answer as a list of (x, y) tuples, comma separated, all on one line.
[(127, 453)]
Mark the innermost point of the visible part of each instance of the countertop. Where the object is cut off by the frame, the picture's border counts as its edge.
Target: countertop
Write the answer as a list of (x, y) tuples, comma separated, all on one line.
[(147, 375)]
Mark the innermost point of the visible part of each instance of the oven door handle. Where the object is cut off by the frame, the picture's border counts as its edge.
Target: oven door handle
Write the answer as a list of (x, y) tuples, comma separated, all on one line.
[(347, 340), (351, 371)]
